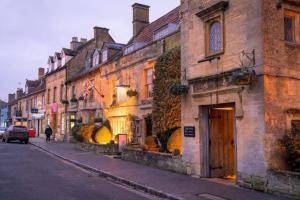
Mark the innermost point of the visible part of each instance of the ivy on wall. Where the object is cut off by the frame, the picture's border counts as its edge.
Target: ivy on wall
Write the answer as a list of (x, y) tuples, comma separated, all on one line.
[(166, 107)]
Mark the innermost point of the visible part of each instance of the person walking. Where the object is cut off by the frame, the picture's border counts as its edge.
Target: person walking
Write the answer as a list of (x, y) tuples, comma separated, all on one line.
[(48, 132)]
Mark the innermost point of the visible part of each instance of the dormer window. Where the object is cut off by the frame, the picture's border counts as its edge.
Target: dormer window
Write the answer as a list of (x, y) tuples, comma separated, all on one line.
[(164, 31), (104, 55), (96, 58), (132, 47)]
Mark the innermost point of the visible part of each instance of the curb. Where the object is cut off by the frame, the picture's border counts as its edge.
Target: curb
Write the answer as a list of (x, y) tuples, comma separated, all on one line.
[(114, 178)]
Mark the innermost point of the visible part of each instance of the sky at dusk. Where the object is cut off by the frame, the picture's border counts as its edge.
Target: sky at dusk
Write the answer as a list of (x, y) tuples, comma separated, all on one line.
[(31, 30)]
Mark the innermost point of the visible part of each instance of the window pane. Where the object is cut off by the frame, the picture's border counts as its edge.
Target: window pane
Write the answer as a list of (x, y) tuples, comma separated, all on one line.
[(289, 29), (215, 37)]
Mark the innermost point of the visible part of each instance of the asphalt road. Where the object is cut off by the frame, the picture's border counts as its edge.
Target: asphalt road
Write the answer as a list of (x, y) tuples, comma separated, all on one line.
[(26, 173)]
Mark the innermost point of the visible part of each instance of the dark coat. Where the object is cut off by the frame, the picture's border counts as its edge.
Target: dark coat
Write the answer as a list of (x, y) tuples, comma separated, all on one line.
[(48, 131)]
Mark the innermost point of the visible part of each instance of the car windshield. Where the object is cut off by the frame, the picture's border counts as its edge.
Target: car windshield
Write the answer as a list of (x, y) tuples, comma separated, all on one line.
[(20, 128)]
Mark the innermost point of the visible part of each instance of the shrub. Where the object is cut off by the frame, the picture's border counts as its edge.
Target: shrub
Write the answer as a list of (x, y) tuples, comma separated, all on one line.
[(176, 152), (164, 137), (76, 133), (151, 142), (132, 93), (291, 146)]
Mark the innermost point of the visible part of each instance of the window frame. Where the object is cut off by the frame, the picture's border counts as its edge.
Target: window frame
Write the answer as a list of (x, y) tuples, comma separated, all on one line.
[(147, 85), (287, 12), (218, 17)]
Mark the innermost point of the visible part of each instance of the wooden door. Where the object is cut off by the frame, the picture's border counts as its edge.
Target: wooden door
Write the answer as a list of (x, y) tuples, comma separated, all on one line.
[(221, 143)]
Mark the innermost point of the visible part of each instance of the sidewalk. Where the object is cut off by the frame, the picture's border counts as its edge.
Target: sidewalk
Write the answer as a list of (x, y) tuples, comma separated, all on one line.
[(154, 181)]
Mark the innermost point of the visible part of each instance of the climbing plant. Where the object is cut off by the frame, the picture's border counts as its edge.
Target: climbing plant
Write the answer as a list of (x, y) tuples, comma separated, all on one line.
[(166, 107)]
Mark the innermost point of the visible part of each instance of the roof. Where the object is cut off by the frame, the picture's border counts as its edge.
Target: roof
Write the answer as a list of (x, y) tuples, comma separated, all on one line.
[(146, 35), (51, 59), (32, 83), (116, 46), (69, 52), (57, 55), (2, 104)]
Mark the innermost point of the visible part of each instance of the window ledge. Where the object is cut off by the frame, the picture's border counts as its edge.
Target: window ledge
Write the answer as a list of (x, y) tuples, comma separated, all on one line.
[(292, 44), (211, 57)]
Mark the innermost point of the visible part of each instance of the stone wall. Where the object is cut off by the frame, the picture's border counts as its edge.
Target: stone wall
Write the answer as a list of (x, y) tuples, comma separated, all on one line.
[(281, 183), (109, 149), (158, 160), (281, 80)]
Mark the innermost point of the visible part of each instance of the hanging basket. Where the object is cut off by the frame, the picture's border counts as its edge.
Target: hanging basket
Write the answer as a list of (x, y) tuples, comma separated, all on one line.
[(74, 100), (177, 89), (65, 101), (81, 98), (244, 76)]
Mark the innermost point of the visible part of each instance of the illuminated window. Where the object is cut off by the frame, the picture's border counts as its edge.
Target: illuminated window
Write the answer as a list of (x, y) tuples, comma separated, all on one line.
[(149, 83), (291, 26)]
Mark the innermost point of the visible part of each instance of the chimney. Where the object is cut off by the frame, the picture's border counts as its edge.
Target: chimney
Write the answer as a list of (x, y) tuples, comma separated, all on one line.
[(140, 17), (74, 44), (83, 40), (101, 35), (19, 93), (41, 72), (11, 97)]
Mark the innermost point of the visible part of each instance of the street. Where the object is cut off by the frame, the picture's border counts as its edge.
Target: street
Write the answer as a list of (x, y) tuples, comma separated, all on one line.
[(29, 174)]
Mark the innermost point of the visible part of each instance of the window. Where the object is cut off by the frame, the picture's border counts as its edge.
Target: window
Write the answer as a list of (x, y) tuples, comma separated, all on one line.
[(43, 102), (73, 92), (95, 59), (134, 46), (291, 26), (149, 83), (215, 37), (104, 55), (61, 92), (54, 95), (92, 95), (164, 31), (48, 96)]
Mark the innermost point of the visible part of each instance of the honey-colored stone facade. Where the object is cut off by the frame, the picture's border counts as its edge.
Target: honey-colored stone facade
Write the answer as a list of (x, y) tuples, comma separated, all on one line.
[(260, 109), (55, 110)]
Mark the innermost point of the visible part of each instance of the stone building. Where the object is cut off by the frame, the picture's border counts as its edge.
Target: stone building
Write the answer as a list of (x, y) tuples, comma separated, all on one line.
[(114, 70), (240, 59), (34, 98), (55, 87), (3, 114)]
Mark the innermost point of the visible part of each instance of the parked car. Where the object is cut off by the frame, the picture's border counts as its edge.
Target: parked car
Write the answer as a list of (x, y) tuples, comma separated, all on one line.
[(16, 133), (2, 131)]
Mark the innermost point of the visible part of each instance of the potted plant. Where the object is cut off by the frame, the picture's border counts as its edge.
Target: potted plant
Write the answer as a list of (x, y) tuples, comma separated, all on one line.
[(244, 76), (74, 100), (132, 93), (81, 98), (64, 101), (98, 120), (178, 89), (79, 120)]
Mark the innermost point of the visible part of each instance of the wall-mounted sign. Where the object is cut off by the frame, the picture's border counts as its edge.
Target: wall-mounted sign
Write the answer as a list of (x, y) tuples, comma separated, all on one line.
[(34, 110), (189, 131)]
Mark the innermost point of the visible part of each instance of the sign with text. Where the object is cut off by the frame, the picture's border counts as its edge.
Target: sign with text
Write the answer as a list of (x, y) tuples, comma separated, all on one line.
[(189, 131)]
